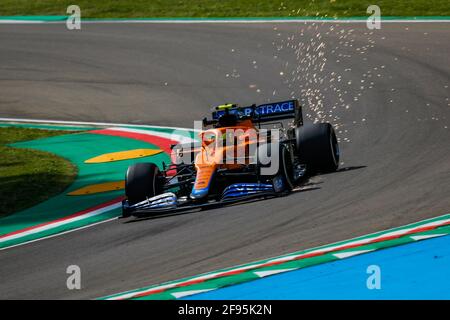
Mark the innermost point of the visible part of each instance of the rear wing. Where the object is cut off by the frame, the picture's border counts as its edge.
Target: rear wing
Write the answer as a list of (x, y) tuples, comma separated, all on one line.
[(290, 109)]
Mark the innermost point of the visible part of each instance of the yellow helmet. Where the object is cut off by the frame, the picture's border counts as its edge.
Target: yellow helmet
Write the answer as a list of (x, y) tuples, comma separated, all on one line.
[(226, 106)]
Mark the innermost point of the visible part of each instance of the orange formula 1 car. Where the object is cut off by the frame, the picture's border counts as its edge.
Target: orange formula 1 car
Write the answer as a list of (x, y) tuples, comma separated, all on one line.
[(237, 158)]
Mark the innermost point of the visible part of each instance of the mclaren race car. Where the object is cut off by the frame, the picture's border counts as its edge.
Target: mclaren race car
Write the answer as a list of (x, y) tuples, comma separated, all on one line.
[(242, 153)]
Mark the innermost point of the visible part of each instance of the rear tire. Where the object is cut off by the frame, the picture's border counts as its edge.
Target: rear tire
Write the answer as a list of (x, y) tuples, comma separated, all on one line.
[(317, 147), (142, 181)]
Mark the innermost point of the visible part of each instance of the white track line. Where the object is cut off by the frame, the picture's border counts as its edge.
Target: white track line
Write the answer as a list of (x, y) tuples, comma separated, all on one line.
[(21, 21), (87, 123), (59, 234), (255, 21), (171, 136), (212, 21), (55, 224)]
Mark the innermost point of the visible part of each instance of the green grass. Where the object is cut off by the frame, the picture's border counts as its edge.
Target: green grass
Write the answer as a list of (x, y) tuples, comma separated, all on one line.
[(27, 176), (224, 8)]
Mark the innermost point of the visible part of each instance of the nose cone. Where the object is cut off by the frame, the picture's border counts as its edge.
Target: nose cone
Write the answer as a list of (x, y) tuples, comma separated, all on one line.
[(199, 193), (204, 176)]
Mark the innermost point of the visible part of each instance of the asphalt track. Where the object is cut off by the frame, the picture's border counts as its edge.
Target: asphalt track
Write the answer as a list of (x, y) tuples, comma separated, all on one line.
[(395, 137)]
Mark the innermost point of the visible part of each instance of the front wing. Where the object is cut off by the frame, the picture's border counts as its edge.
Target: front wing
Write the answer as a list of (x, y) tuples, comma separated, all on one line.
[(168, 203)]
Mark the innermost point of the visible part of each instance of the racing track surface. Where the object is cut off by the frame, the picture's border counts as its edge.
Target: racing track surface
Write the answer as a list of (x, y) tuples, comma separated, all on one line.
[(170, 75)]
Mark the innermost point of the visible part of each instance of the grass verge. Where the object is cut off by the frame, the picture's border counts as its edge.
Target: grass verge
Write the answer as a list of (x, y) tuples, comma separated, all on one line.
[(28, 177), (224, 8)]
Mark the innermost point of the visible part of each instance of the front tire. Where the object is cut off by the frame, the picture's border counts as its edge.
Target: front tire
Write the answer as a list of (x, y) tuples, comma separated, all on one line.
[(317, 147), (142, 181), (282, 177)]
